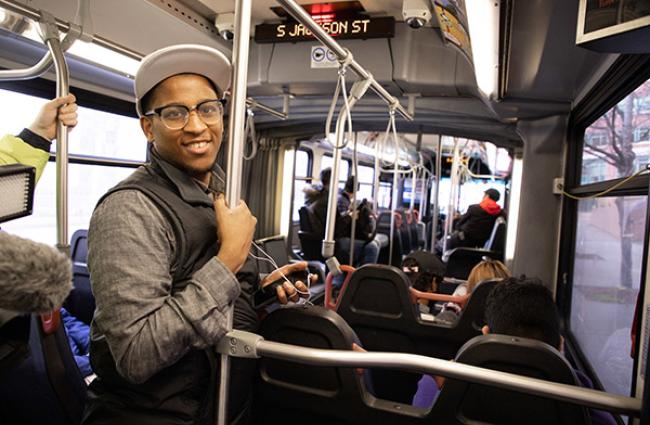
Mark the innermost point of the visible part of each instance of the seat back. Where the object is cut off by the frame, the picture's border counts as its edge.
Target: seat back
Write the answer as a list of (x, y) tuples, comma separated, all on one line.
[(405, 233), (497, 240), (276, 248), (383, 226), (467, 403), (413, 229), (79, 246), (80, 302), (377, 305), (293, 393), (461, 261), (46, 386), (305, 223), (310, 245)]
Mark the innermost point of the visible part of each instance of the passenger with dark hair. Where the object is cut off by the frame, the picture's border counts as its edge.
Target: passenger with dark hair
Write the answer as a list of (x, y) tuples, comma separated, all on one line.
[(366, 250), (475, 226), (426, 272), (524, 308), (169, 258)]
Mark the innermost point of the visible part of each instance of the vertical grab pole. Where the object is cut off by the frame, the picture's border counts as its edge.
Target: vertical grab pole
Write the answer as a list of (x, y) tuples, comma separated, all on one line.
[(355, 211), (449, 223), (394, 191), (413, 181), (375, 183), (236, 135), (62, 89), (293, 193), (423, 195), (435, 206)]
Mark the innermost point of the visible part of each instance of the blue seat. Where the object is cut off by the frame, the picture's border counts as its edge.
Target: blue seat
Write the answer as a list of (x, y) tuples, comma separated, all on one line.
[(79, 246)]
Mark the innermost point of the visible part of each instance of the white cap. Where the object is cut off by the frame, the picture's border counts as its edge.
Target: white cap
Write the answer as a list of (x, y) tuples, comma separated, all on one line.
[(181, 59)]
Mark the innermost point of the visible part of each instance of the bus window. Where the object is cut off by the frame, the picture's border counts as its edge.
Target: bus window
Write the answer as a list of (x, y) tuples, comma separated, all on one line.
[(98, 134), (87, 183), (366, 181), (606, 279), (618, 143), (344, 171), (303, 179), (383, 199)]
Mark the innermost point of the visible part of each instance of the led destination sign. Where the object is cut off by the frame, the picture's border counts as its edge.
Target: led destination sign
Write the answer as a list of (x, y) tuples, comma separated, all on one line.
[(338, 28)]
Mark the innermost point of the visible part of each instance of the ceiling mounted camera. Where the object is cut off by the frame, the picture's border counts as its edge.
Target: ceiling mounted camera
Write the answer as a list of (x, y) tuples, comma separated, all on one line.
[(225, 23), (416, 13)]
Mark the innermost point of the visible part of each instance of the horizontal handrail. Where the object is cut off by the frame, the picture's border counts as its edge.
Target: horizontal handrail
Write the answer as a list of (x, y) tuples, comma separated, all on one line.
[(262, 107), (28, 73), (343, 55), (249, 345), (34, 14)]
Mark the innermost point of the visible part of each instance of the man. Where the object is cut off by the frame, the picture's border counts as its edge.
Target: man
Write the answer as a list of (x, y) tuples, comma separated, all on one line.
[(163, 252), (365, 252), (32, 145), (475, 226), (426, 272), (523, 308)]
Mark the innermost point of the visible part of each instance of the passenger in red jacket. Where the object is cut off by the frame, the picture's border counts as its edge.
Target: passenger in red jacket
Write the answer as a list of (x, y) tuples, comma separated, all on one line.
[(475, 226)]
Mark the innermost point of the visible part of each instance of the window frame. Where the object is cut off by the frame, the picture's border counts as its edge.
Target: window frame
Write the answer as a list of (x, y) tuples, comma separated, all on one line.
[(623, 77), (348, 160)]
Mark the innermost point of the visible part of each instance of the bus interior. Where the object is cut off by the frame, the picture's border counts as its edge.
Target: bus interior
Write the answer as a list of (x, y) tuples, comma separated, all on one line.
[(546, 102)]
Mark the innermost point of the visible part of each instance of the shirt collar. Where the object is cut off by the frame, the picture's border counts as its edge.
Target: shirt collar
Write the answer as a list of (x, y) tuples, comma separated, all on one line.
[(189, 189)]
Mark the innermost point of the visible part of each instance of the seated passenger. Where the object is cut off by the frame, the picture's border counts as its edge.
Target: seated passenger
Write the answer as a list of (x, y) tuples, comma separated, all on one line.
[(488, 269), (316, 198), (475, 226), (425, 271), (523, 308), (366, 248)]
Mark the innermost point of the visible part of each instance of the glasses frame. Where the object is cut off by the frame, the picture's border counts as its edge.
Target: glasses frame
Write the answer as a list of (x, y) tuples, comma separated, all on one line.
[(157, 111)]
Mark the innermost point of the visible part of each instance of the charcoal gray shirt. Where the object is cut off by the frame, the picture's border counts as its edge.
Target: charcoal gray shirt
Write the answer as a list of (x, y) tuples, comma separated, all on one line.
[(131, 249)]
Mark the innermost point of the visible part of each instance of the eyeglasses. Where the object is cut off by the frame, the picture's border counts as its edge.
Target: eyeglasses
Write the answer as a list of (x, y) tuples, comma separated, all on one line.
[(175, 117)]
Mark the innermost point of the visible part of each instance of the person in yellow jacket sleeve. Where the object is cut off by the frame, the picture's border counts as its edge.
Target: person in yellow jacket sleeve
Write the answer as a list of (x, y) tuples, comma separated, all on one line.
[(32, 145)]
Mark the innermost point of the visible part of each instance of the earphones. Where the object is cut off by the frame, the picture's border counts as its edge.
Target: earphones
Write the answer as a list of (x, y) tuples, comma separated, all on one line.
[(270, 260)]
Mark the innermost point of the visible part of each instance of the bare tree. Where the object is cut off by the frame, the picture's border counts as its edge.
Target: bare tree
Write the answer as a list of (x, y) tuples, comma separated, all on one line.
[(618, 125)]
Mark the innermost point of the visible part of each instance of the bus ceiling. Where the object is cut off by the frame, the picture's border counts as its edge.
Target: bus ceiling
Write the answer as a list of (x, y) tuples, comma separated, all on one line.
[(540, 70)]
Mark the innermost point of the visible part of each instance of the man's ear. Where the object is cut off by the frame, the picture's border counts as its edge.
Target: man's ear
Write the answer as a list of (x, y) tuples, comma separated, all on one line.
[(485, 330), (146, 124)]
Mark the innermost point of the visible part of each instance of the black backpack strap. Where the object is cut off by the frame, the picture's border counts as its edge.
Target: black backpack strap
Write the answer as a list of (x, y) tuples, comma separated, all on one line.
[(55, 347)]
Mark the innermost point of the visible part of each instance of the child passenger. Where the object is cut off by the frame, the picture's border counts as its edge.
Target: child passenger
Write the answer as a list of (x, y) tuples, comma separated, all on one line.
[(425, 271)]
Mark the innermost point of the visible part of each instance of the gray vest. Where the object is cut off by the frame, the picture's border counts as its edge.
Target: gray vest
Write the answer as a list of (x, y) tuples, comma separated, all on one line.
[(185, 392)]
